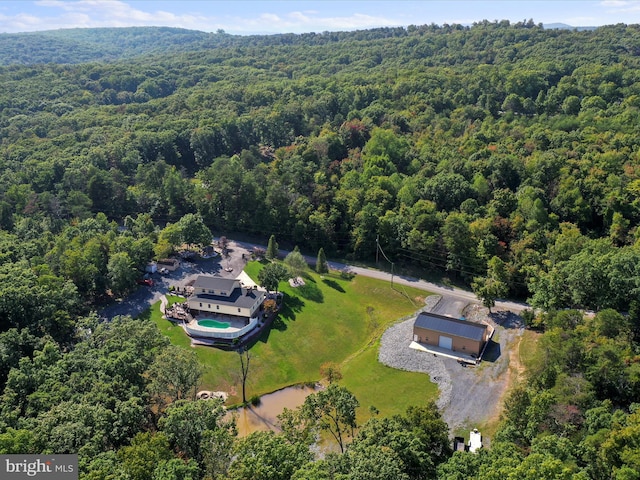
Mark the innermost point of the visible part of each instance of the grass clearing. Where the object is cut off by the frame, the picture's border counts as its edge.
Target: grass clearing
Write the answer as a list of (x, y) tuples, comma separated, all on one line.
[(529, 352), (330, 319), (389, 390)]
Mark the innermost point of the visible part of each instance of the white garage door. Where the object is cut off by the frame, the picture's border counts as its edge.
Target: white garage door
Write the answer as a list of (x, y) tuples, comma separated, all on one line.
[(445, 342)]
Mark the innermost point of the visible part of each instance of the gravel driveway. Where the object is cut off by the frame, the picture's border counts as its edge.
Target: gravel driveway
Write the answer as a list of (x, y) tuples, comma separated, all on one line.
[(468, 395)]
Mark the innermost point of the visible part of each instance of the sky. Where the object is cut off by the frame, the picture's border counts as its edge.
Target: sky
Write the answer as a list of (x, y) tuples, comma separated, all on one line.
[(245, 17)]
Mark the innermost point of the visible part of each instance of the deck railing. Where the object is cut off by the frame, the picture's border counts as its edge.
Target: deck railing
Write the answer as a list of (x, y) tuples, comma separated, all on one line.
[(217, 333)]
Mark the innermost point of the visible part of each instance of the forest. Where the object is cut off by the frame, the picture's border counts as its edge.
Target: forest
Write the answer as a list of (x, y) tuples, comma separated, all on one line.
[(501, 156)]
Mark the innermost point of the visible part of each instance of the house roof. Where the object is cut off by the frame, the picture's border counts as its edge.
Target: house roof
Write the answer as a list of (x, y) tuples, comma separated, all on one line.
[(215, 283), (451, 326), (240, 297)]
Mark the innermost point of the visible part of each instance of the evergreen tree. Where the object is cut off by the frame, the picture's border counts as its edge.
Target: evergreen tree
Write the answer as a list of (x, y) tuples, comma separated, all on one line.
[(321, 262), (272, 248)]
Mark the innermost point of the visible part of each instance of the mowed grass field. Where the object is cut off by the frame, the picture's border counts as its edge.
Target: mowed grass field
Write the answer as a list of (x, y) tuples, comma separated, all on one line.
[(329, 319)]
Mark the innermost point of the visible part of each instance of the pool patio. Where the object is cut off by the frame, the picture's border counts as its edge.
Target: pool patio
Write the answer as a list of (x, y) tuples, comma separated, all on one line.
[(238, 326)]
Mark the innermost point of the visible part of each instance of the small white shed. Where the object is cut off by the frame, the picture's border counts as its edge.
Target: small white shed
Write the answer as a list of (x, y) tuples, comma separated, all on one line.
[(152, 267), (475, 440)]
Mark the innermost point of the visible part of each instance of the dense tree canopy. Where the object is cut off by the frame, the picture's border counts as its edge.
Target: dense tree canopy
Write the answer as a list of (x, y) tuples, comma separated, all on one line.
[(501, 155), (480, 144)]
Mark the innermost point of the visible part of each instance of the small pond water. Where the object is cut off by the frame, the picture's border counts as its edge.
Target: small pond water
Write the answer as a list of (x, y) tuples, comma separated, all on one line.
[(263, 417)]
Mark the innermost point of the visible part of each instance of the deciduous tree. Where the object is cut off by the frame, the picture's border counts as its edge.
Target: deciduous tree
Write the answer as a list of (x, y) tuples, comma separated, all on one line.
[(187, 424), (494, 285), (296, 263), (122, 274), (267, 456), (271, 275), (334, 410), (245, 360), (174, 375)]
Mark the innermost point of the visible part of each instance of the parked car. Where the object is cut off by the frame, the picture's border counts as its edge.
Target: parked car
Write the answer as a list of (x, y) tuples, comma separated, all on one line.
[(145, 281)]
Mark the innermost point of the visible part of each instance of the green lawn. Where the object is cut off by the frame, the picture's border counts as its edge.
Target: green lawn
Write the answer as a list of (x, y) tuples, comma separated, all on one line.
[(387, 389), (329, 319)]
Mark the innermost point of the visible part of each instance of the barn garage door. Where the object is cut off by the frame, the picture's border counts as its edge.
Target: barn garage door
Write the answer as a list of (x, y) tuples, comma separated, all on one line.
[(445, 342)]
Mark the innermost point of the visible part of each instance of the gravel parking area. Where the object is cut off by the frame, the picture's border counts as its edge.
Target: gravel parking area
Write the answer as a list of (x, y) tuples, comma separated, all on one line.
[(141, 299), (468, 395)]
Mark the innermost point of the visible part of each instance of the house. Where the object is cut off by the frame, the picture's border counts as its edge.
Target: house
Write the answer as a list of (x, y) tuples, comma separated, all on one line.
[(450, 333), (225, 296)]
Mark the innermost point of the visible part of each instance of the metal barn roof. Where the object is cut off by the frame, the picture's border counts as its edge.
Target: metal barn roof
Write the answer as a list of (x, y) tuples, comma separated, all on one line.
[(451, 326)]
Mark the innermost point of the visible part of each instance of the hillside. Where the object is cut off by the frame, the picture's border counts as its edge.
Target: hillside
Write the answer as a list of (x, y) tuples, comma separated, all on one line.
[(503, 157), (94, 45)]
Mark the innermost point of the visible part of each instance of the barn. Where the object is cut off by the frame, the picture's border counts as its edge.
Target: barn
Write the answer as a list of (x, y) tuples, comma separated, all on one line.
[(450, 333)]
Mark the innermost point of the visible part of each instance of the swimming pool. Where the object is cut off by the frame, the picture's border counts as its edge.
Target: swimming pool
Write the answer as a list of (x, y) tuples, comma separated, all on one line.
[(211, 323)]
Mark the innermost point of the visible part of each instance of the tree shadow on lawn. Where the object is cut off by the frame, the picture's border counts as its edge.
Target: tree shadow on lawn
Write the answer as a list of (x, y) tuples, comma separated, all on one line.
[(290, 306), (492, 352), (333, 284), (310, 291), (308, 278)]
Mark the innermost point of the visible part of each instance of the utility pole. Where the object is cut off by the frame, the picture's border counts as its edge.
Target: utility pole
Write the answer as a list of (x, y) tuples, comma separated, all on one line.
[(379, 249), (392, 276)]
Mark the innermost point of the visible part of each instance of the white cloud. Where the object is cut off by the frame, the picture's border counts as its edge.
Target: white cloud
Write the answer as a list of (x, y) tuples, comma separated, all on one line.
[(616, 3), (270, 17), (297, 21), (117, 13), (97, 13), (621, 6)]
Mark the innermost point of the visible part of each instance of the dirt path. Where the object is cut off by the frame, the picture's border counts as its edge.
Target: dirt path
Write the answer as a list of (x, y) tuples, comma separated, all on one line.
[(513, 375)]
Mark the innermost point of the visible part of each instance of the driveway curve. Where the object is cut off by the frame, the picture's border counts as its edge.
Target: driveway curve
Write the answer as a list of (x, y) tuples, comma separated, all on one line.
[(463, 297)]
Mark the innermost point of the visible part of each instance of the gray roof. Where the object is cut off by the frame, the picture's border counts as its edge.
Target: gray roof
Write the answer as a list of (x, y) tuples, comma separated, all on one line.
[(451, 326), (241, 298), (215, 283)]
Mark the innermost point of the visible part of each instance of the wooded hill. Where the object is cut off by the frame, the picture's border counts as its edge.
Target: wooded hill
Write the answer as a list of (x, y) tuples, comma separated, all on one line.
[(453, 145), (503, 155)]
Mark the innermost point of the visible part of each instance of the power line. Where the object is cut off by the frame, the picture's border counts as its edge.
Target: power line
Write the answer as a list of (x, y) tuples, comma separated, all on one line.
[(386, 258)]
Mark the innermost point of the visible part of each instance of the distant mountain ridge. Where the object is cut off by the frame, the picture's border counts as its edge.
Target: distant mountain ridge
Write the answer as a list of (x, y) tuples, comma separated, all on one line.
[(81, 45), (564, 26)]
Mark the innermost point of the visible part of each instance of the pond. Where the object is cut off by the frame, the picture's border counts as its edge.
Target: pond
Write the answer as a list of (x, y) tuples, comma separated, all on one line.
[(264, 416)]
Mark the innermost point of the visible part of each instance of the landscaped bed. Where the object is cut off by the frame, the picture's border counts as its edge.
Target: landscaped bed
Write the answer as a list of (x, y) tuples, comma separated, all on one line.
[(329, 319)]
